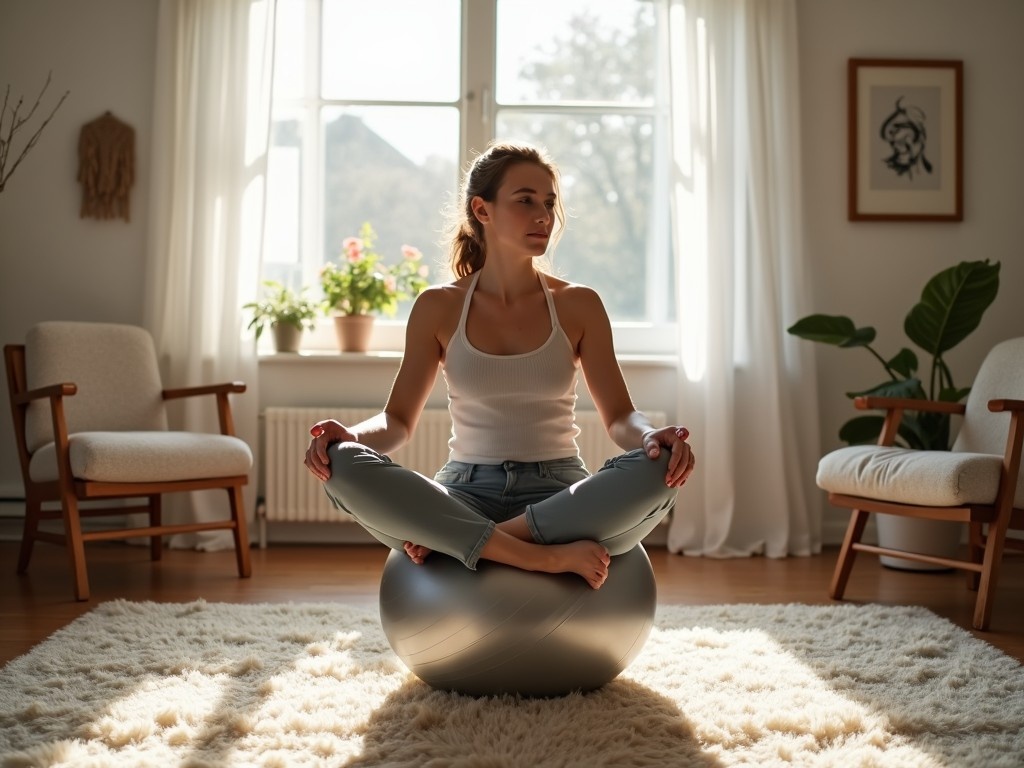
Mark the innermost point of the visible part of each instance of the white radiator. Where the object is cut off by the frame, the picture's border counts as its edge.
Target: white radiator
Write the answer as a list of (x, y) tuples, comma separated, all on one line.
[(292, 494)]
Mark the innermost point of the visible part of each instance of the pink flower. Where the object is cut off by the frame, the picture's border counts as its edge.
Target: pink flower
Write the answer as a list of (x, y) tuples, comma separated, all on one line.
[(411, 252), (390, 283), (353, 248)]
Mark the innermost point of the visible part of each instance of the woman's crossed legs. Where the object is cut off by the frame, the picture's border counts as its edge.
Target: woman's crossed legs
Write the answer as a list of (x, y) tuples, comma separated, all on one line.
[(571, 523)]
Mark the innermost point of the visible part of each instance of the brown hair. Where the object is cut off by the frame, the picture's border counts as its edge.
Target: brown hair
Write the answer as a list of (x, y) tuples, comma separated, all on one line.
[(466, 253)]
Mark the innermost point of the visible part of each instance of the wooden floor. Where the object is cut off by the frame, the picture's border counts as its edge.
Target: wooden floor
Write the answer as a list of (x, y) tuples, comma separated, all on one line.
[(35, 604)]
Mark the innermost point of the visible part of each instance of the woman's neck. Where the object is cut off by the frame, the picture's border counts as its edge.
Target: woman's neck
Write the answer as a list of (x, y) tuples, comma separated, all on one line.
[(508, 282)]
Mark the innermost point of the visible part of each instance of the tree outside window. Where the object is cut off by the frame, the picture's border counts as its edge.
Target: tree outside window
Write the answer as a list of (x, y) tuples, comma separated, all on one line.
[(351, 146)]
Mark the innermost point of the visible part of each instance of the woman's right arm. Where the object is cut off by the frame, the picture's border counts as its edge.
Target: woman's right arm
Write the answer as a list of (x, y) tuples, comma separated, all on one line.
[(391, 428)]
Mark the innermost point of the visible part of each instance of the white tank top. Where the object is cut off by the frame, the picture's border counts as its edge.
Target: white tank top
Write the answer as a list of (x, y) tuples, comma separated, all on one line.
[(511, 407)]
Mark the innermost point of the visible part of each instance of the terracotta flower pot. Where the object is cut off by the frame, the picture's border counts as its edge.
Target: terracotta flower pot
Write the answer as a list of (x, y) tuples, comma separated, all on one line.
[(353, 332)]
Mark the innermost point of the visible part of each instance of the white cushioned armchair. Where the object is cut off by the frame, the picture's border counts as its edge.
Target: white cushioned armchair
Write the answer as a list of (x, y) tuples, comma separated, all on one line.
[(979, 482), (90, 422)]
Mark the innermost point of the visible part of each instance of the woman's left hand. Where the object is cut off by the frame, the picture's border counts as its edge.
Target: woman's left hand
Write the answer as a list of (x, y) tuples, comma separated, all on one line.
[(416, 552), (681, 462)]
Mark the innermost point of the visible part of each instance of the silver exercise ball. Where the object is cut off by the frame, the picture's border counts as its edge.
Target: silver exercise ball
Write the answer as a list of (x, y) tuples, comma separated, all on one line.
[(503, 630)]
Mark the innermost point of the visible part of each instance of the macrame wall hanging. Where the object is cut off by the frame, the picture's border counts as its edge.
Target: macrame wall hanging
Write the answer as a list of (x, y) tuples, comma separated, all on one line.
[(106, 167)]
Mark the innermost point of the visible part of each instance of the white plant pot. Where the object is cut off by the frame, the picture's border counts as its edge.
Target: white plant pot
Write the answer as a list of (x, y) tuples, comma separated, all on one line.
[(287, 338), (931, 537)]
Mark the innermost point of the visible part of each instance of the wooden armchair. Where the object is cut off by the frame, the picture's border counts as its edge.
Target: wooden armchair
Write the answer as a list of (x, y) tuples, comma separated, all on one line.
[(978, 482), (90, 424)]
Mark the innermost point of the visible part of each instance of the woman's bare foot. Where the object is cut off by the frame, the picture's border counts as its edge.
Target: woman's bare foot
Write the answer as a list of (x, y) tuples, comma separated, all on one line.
[(586, 558), (416, 552)]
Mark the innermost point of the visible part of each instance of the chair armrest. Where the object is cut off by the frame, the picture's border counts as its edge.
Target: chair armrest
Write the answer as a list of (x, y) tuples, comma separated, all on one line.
[(227, 422), (55, 393), (997, 406), (51, 391), (869, 402), (207, 389), (894, 408)]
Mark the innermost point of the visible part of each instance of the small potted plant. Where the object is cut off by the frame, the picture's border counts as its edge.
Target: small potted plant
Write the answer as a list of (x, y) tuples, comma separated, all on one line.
[(359, 285), (287, 312)]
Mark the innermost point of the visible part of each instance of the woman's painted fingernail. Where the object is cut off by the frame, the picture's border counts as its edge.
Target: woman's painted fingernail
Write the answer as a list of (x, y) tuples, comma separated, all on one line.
[(682, 433), (316, 430)]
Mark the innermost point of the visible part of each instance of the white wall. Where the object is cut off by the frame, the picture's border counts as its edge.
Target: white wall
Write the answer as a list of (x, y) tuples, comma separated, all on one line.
[(54, 265)]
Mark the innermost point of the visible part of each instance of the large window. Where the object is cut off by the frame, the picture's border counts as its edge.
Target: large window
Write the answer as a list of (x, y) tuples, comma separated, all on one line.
[(379, 104)]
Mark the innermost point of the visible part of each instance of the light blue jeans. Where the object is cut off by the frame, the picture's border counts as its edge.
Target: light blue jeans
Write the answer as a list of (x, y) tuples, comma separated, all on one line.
[(455, 513)]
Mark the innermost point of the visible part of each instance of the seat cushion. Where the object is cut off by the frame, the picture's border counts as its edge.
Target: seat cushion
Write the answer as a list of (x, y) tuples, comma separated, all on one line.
[(139, 457), (927, 478)]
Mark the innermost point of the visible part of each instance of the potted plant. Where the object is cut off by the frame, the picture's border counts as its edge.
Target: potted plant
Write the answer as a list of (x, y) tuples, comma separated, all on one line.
[(287, 312), (951, 307), (359, 285)]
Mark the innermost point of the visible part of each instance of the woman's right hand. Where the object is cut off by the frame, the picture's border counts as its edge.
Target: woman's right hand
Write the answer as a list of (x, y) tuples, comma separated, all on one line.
[(325, 434)]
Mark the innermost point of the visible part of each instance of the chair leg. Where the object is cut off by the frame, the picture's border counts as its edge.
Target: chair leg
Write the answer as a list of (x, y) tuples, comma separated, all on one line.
[(241, 532), (75, 544), (854, 531), (990, 572), (33, 509), (156, 542), (975, 553)]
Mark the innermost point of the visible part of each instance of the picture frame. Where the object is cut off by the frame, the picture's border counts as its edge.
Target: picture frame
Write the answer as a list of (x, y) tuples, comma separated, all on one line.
[(905, 140)]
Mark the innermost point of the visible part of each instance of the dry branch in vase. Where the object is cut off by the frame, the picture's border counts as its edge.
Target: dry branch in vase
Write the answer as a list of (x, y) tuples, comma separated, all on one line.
[(16, 124)]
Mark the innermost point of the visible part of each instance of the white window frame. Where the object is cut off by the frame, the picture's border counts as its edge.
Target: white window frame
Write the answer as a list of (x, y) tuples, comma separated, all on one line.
[(478, 107)]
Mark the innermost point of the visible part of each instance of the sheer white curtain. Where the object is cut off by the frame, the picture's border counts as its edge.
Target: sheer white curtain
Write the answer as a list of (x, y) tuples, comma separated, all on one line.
[(746, 388), (211, 123)]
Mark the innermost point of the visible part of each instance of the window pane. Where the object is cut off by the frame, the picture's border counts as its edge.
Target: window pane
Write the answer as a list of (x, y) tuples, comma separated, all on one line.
[(290, 49), (391, 50), (606, 165), (282, 259), (575, 50), (395, 167)]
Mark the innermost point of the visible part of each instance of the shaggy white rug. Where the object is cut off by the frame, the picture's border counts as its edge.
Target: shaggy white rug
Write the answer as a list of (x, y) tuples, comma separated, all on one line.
[(276, 686)]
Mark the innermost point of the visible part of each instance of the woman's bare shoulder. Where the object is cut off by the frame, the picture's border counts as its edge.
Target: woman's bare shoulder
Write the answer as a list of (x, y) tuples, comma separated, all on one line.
[(437, 310), (581, 312), (576, 296), (443, 296)]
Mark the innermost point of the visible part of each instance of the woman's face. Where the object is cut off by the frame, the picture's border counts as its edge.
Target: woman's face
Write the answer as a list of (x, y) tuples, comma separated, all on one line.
[(522, 214)]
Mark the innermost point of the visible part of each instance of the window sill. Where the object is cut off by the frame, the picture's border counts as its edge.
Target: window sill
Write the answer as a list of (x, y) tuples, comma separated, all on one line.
[(648, 344), (376, 357), (323, 356)]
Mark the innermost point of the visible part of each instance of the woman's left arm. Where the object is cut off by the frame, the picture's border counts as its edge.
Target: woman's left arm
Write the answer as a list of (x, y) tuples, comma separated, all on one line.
[(626, 426)]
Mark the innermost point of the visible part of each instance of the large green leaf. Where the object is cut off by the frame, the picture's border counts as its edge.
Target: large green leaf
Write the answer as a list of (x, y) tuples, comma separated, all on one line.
[(861, 429), (951, 305), (904, 363), (913, 433), (954, 394), (902, 388), (933, 430), (832, 329)]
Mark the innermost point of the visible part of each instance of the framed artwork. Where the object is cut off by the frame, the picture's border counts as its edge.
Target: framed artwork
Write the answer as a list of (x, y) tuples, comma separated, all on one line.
[(905, 140)]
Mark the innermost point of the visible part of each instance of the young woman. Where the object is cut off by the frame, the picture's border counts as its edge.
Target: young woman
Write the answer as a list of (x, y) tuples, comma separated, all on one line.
[(510, 340)]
